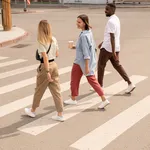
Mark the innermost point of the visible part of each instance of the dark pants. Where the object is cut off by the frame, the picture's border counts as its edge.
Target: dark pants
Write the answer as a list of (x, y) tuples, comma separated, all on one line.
[(104, 56)]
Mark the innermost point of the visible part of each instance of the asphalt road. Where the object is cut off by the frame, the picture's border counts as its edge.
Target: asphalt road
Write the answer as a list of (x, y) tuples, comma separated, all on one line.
[(123, 125)]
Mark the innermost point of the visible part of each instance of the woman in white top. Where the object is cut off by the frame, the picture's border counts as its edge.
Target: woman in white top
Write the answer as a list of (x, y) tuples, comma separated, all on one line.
[(47, 71)]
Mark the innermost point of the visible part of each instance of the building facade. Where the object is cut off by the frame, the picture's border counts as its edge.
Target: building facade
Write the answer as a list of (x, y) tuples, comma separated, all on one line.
[(78, 1)]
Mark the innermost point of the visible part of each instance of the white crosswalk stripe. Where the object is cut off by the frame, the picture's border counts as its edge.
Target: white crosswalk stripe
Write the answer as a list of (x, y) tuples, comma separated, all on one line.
[(2, 58), (27, 82), (89, 140), (104, 134), (17, 61), (21, 103), (45, 123), (18, 71)]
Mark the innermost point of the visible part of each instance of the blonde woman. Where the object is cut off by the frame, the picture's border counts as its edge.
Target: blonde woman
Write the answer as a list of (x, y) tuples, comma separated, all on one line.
[(47, 71)]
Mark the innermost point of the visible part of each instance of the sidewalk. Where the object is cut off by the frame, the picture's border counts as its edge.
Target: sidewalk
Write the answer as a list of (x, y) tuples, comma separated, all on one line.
[(72, 5), (9, 37)]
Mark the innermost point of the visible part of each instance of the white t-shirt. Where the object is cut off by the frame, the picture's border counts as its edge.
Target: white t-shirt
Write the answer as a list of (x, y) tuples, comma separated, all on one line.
[(52, 52), (112, 26)]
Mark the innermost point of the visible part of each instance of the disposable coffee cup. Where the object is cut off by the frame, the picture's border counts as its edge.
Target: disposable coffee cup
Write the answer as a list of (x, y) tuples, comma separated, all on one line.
[(70, 44)]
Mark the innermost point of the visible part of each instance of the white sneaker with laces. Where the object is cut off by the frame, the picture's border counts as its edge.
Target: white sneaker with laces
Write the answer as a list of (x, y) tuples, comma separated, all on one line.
[(104, 104), (70, 102), (130, 88), (58, 118), (29, 112)]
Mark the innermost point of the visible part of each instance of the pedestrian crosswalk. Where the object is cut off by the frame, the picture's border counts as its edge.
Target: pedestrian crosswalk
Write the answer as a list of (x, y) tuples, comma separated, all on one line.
[(44, 123), (21, 103), (27, 82), (18, 71), (5, 64), (103, 135)]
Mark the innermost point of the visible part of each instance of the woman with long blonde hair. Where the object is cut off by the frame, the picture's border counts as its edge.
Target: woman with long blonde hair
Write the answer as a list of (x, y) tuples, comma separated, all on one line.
[(47, 71)]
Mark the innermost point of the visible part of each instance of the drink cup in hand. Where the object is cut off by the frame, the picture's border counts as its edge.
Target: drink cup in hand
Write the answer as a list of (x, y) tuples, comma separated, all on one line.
[(70, 44)]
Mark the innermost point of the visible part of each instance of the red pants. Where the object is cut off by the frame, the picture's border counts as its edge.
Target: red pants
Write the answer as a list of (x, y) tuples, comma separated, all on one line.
[(76, 75)]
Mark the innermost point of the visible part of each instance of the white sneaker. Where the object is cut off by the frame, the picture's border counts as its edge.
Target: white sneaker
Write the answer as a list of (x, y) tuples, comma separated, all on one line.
[(104, 104), (70, 102), (130, 88), (58, 118), (29, 112)]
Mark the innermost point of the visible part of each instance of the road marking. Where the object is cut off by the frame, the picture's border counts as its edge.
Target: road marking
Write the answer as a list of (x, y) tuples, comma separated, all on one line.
[(18, 71), (42, 124), (105, 134), (8, 63), (21, 103), (2, 58), (27, 82)]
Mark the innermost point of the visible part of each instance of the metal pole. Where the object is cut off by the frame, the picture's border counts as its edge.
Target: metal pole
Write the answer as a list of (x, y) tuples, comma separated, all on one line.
[(2, 17), (25, 5)]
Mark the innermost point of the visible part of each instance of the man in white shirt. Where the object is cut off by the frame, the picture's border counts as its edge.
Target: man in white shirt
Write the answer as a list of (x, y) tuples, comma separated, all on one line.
[(110, 48)]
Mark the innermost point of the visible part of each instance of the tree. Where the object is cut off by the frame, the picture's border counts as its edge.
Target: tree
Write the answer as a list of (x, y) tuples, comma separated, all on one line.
[(6, 15)]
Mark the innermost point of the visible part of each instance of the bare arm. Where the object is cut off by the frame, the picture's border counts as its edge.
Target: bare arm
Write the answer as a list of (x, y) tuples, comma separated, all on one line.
[(112, 39), (87, 66), (46, 65), (57, 53), (100, 45), (45, 58)]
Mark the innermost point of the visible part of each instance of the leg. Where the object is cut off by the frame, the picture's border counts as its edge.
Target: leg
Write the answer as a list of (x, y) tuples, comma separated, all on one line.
[(122, 72), (76, 75), (94, 83), (41, 85), (103, 58), (116, 64), (91, 88), (96, 86), (55, 89)]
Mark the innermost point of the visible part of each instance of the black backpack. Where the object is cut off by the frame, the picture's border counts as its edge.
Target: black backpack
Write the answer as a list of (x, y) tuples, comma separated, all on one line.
[(37, 56)]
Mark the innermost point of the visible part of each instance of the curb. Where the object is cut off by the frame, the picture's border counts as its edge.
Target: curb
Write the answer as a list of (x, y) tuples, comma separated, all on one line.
[(9, 42), (103, 5), (27, 12), (72, 5), (52, 6)]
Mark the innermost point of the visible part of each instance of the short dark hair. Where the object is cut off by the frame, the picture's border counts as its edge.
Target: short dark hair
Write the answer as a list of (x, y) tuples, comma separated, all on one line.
[(112, 5), (85, 19)]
